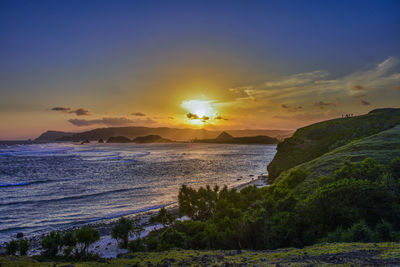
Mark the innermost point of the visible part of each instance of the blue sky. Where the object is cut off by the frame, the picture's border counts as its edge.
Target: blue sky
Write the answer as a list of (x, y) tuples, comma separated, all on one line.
[(118, 57)]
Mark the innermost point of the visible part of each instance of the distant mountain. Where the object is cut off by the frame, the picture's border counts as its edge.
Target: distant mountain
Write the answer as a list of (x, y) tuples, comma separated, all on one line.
[(118, 139), (185, 134), (51, 136), (225, 138), (151, 139)]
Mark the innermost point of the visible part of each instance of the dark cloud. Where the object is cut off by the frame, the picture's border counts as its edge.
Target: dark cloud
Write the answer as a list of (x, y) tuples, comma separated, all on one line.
[(61, 109), (364, 103), (78, 112), (192, 116), (220, 118), (289, 108), (357, 87), (110, 121), (138, 114), (81, 112), (106, 121), (322, 104)]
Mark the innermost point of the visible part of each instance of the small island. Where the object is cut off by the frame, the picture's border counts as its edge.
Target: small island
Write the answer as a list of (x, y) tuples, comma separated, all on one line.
[(225, 138)]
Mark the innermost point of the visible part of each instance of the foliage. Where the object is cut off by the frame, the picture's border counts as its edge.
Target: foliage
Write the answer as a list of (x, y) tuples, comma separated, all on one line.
[(51, 244), (312, 141), (164, 217), (361, 202), (23, 246), (12, 247), (121, 230), (85, 237)]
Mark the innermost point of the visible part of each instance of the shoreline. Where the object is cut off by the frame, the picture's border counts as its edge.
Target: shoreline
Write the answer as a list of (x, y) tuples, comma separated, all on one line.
[(107, 247)]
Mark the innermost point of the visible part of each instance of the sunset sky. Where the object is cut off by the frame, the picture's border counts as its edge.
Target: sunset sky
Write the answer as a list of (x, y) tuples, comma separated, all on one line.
[(78, 65)]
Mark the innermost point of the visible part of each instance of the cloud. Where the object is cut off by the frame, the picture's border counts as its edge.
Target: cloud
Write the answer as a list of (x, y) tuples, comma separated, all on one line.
[(357, 87), (291, 108), (138, 114), (109, 121), (192, 116), (364, 103), (81, 112), (319, 86), (220, 118), (322, 104), (61, 109), (78, 112)]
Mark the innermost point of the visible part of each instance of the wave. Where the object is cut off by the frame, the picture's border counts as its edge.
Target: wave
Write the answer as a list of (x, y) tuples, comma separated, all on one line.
[(24, 183), (73, 197)]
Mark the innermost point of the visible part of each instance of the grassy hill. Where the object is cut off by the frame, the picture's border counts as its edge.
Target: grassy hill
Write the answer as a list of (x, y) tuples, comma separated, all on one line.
[(382, 147), (335, 254), (314, 140)]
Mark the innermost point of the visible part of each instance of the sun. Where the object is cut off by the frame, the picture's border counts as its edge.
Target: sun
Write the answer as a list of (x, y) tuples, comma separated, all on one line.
[(200, 112)]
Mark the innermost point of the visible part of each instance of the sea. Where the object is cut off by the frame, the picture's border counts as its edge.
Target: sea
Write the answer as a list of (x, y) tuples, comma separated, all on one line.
[(55, 186)]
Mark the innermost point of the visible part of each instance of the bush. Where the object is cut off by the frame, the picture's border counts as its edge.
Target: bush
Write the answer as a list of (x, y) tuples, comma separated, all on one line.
[(136, 245), (85, 237), (51, 244), (394, 168), (384, 232), (69, 241), (164, 217), (359, 232), (12, 247), (121, 230), (294, 178), (23, 246), (171, 238)]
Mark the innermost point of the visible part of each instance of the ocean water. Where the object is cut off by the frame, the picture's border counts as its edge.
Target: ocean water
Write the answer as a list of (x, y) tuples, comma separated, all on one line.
[(55, 186)]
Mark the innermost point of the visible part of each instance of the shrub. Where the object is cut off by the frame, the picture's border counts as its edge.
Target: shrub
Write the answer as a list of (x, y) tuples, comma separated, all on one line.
[(23, 246), (69, 241), (295, 177), (384, 231), (359, 232), (171, 238), (394, 168), (12, 247), (121, 231), (85, 237), (51, 244), (136, 245), (164, 217)]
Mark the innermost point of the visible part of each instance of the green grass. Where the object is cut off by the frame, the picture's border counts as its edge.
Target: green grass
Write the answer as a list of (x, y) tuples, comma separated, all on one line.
[(383, 147), (314, 140), (334, 254)]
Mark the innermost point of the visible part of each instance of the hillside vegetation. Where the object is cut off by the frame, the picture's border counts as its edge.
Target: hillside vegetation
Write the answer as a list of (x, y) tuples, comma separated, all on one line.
[(314, 140), (382, 147), (348, 254)]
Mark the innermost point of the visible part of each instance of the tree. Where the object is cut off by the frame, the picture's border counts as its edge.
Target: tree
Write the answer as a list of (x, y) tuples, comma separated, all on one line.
[(23, 246), (85, 237), (163, 217), (137, 227), (69, 241), (51, 244), (121, 230), (12, 247)]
